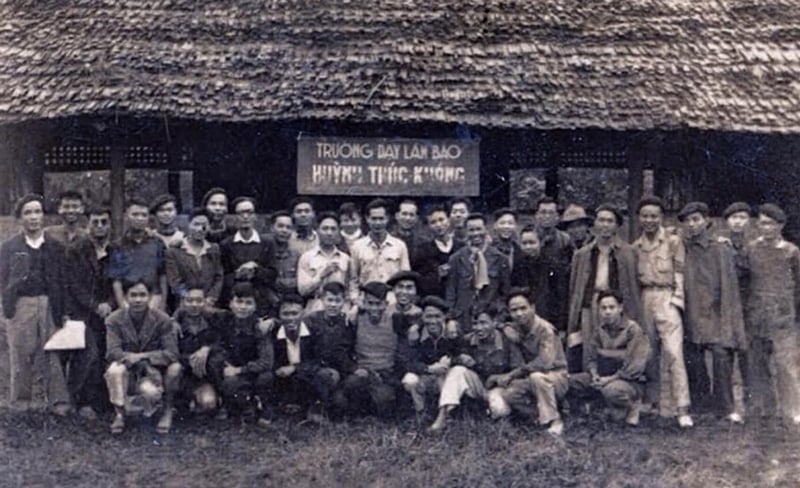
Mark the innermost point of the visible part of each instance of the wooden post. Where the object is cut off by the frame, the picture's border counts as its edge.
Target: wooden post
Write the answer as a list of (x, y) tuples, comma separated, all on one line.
[(117, 188), (635, 162)]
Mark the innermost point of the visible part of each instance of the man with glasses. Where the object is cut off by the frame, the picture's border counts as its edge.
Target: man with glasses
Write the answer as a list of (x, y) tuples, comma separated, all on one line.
[(249, 257)]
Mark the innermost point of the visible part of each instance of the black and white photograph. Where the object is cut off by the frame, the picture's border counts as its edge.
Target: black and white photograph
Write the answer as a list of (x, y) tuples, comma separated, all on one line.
[(400, 243)]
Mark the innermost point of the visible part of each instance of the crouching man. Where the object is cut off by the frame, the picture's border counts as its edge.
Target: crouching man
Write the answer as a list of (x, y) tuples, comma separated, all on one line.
[(484, 355), (617, 358), (539, 371), (372, 385), (428, 361), (199, 350), (142, 350), (248, 359), (300, 378)]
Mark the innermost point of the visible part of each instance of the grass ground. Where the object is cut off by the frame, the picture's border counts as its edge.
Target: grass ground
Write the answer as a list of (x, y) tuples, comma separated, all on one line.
[(39, 450)]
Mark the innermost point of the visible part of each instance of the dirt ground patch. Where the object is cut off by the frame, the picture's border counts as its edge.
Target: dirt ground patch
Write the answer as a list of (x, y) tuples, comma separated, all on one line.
[(38, 450)]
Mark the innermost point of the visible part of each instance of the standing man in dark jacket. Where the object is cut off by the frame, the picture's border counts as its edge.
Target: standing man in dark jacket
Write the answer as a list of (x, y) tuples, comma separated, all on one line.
[(32, 276), (196, 262), (713, 313), (431, 257), (479, 277), (607, 263), (249, 257), (91, 301)]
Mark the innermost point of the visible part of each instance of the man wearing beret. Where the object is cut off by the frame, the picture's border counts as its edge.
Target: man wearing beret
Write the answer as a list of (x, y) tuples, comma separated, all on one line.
[(606, 263), (372, 386), (164, 209), (737, 220), (426, 363), (660, 264), (713, 313), (772, 304)]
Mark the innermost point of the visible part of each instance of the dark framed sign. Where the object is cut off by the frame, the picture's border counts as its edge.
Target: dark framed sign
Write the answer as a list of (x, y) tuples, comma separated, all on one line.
[(383, 166)]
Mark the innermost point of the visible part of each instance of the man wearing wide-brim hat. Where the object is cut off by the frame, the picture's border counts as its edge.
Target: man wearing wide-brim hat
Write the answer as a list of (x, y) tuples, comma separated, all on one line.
[(576, 222)]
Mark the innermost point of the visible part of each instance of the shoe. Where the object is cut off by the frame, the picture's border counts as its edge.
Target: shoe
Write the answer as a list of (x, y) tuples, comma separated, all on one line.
[(685, 421), (222, 414), (316, 414), (165, 422), (118, 424), (796, 420), (61, 409), (633, 414), (438, 425), (735, 418), (87, 413), (556, 428)]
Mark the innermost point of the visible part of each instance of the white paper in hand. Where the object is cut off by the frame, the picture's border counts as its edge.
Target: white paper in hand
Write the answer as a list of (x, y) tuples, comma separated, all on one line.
[(71, 336)]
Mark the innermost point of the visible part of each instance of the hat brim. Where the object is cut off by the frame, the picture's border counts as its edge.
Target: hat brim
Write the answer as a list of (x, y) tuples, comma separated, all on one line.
[(565, 223)]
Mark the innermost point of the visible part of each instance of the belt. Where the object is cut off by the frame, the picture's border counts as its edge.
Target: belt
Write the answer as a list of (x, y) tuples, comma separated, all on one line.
[(658, 287)]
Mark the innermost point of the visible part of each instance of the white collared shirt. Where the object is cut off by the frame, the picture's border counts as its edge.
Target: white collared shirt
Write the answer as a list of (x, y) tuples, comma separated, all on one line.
[(293, 348), (34, 243), (254, 238), (370, 261), (311, 265)]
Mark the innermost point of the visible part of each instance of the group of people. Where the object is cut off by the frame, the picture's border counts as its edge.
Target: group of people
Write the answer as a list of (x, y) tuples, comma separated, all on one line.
[(324, 317)]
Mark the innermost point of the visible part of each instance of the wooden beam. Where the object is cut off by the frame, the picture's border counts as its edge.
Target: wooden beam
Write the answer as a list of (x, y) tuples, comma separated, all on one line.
[(635, 163)]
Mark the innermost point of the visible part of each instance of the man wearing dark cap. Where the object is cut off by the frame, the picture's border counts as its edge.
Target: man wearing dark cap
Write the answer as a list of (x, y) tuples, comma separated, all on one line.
[(479, 277), (405, 285), (372, 386), (215, 202), (713, 313), (426, 363), (606, 263), (164, 209), (576, 223), (772, 304), (32, 277), (737, 220), (660, 263)]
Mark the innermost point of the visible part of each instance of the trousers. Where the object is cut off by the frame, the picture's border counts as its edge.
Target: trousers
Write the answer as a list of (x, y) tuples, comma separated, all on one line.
[(543, 388), (26, 333), (458, 382)]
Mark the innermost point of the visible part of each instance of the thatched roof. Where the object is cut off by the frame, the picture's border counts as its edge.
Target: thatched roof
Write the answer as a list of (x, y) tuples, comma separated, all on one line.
[(616, 64)]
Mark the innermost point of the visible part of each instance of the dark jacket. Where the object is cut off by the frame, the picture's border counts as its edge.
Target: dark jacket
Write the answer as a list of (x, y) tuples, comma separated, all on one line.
[(416, 358), (156, 337), (462, 299), (334, 341), (490, 358), (184, 271), (308, 359), (15, 268), (623, 277), (235, 254), (532, 272), (245, 345), (88, 284), (713, 307), (426, 262)]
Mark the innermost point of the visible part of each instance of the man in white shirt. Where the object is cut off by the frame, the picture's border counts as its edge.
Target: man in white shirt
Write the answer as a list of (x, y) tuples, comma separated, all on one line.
[(323, 264), (377, 256)]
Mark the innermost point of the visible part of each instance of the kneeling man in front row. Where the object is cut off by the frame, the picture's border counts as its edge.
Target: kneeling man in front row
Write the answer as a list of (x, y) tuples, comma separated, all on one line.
[(539, 371), (142, 349), (617, 357)]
